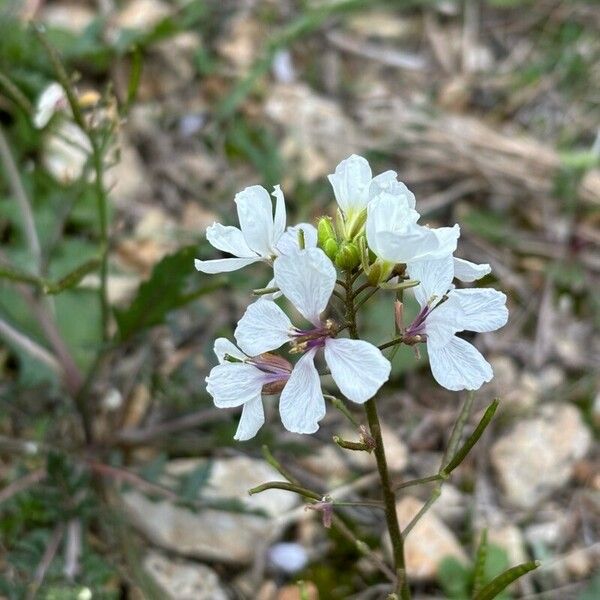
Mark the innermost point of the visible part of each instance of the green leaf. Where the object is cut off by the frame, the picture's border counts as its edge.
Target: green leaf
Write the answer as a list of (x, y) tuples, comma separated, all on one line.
[(165, 291), (480, 561), (500, 583), (454, 578), (191, 483), (472, 439)]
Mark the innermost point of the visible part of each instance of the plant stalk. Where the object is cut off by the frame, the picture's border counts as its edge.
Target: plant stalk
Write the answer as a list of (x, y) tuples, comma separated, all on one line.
[(389, 498)]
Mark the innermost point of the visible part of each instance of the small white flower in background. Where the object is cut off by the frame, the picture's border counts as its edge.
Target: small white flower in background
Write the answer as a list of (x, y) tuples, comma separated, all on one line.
[(455, 363), (261, 236), (358, 368), (66, 151), (240, 380), (51, 100)]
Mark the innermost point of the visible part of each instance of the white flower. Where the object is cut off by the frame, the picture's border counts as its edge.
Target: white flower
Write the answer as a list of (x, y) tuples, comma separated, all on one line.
[(358, 368), (239, 380), (395, 237), (455, 364), (66, 151), (51, 100), (261, 235), (354, 185)]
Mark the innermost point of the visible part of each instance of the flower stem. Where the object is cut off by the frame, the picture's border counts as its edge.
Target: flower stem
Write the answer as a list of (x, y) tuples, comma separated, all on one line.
[(389, 498)]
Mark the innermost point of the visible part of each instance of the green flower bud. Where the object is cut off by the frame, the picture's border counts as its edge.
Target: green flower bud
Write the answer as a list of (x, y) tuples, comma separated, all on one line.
[(348, 256), (379, 272), (330, 247), (325, 231)]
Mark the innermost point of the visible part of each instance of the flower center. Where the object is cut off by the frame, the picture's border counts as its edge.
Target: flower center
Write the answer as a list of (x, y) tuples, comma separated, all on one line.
[(415, 332), (306, 339), (277, 371)]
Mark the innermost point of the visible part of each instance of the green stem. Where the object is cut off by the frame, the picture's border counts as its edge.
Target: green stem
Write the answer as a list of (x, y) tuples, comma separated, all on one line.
[(389, 498), (285, 485)]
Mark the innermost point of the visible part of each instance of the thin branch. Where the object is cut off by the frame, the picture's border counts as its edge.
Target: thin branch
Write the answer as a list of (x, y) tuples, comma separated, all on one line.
[(46, 561), (20, 195), (22, 484), (32, 348)]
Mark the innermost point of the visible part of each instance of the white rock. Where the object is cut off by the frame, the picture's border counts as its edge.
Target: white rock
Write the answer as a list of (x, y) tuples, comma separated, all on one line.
[(142, 14), (208, 533), (428, 543), (537, 456), (184, 580), (73, 16)]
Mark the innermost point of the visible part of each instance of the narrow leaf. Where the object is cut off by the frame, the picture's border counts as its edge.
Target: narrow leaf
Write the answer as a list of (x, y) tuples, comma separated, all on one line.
[(472, 439), (480, 560), (73, 278), (134, 77), (500, 583)]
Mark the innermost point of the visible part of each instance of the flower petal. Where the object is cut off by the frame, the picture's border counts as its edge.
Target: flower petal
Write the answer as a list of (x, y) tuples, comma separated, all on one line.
[(229, 239), (302, 405), (350, 183), (263, 327), (435, 277), (288, 242), (458, 365), (223, 265), (468, 272), (358, 368), (280, 218), (477, 309), (306, 279), (252, 419), (224, 347), (50, 100), (388, 182), (255, 213), (233, 384)]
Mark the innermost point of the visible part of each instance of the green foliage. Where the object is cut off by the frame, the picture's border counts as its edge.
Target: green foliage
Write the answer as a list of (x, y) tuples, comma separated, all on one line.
[(167, 289)]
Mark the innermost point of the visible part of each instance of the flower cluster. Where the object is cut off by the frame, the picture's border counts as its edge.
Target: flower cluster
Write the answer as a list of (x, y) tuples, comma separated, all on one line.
[(376, 235)]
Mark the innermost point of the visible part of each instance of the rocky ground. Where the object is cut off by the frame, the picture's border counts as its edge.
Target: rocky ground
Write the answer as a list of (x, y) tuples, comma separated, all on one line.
[(489, 113)]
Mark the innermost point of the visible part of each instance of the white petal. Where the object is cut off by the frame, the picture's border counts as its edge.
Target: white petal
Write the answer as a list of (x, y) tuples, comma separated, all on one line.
[(306, 279), (388, 182), (263, 327), (435, 277), (358, 368), (48, 103), (288, 242), (255, 212), (229, 239), (224, 347), (459, 365), (223, 265), (252, 419), (390, 227), (350, 183), (468, 272), (302, 405), (481, 309), (233, 384), (279, 221)]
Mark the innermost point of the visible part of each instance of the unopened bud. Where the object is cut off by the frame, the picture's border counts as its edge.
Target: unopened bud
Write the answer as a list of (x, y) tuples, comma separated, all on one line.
[(325, 231), (348, 256), (330, 247)]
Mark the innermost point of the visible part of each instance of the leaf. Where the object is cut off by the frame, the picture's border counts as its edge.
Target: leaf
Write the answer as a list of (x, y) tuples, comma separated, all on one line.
[(472, 439), (500, 583), (480, 560), (163, 292), (191, 483), (454, 578)]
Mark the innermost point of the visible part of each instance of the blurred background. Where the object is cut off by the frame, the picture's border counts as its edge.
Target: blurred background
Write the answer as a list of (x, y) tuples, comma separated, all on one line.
[(119, 478)]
